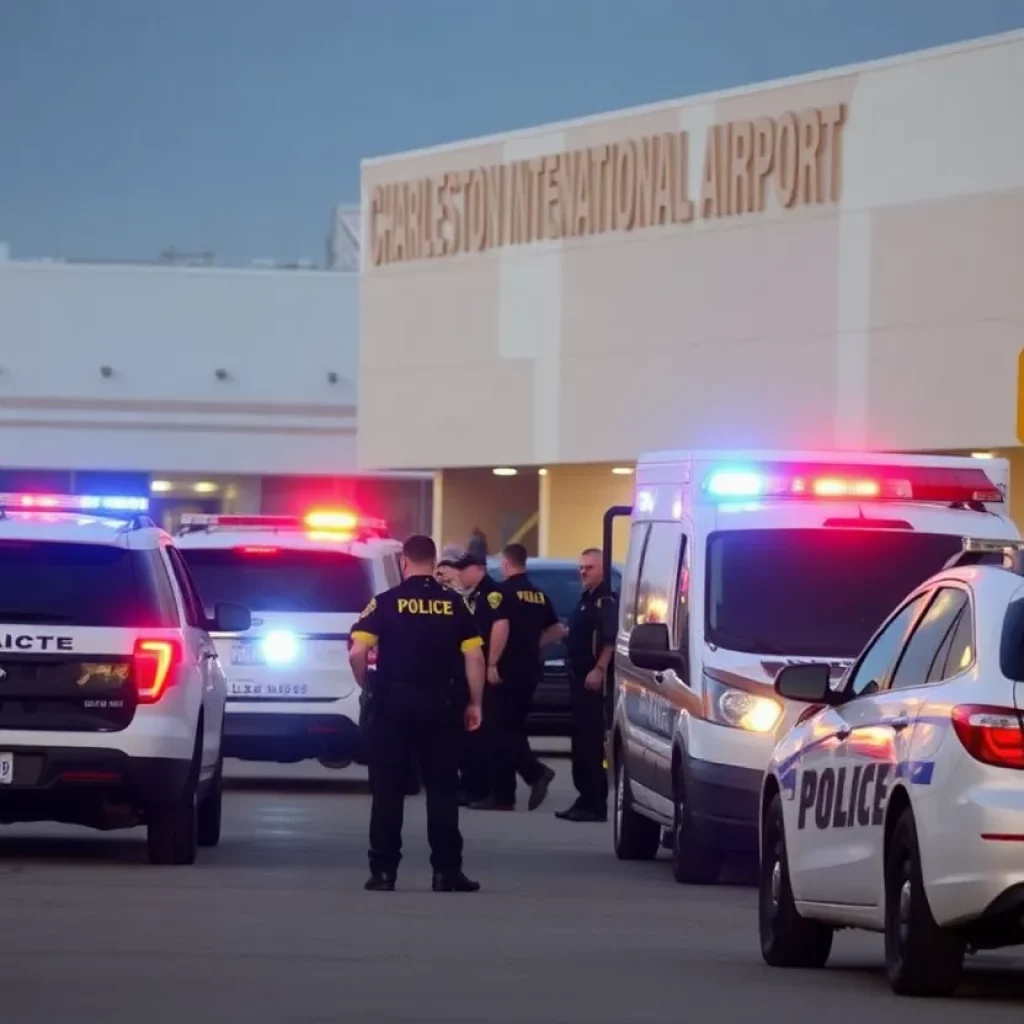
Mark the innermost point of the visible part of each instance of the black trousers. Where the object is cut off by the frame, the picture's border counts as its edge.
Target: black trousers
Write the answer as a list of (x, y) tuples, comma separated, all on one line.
[(510, 702), (588, 728), (429, 728), (475, 768)]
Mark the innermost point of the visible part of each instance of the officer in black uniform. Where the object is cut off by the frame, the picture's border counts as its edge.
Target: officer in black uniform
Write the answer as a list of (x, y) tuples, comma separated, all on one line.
[(513, 677), (489, 606), (423, 632), (590, 647)]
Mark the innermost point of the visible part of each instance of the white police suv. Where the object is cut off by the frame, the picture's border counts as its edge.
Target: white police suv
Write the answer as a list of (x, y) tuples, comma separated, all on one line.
[(111, 693), (896, 802), (291, 692)]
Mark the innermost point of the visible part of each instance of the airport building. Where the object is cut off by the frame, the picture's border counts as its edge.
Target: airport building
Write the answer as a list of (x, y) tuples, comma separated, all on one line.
[(209, 389), (830, 261)]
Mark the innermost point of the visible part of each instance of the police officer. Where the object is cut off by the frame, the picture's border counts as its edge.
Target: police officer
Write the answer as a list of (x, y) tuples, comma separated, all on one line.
[(423, 632), (590, 646), (472, 770), (513, 674), (489, 606)]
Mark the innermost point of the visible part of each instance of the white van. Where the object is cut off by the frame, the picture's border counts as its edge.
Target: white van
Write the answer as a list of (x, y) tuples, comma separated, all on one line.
[(740, 563)]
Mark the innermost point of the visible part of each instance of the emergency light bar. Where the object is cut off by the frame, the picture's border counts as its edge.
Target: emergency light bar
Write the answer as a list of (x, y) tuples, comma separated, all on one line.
[(331, 524), (808, 481), (72, 503)]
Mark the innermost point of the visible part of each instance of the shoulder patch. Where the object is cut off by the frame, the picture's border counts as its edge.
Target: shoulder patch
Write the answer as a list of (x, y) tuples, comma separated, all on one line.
[(494, 599), (369, 609)]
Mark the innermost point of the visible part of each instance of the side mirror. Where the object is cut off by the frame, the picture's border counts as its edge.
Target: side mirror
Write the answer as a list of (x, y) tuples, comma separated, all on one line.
[(649, 648), (809, 684), (230, 618)]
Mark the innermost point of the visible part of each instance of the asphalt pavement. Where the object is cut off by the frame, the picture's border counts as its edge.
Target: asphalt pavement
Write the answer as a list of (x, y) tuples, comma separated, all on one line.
[(273, 927)]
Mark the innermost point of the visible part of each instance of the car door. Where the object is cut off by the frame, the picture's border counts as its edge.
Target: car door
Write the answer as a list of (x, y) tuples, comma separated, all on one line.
[(879, 750), (664, 695), (630, 682), (204, 653), (826, 793)]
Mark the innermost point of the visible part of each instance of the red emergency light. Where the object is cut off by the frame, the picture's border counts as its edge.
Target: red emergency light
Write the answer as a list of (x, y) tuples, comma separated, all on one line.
[(810, 481), (329, 524)]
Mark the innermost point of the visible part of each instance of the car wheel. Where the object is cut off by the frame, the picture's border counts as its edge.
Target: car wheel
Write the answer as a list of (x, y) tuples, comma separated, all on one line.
[(209, 815), (787, 939), (635, 837), (694, 861), (336, 766), (921, 959), (172, 832)]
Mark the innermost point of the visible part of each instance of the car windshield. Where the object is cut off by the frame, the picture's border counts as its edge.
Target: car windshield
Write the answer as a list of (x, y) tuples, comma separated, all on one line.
[(561, 584), (817, 593), (278, 580), (81, 585)]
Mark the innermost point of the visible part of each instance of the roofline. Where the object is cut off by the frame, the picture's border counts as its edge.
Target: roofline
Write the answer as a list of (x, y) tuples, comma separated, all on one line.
[(824, 75), (51, 265)]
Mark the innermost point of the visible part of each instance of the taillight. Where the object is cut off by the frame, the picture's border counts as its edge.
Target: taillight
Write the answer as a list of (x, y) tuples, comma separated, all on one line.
[(153, 663), (991, 735)]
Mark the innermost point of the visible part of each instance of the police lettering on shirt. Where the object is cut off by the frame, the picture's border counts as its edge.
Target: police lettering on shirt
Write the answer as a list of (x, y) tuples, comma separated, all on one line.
[(844, 798), (420, 629)]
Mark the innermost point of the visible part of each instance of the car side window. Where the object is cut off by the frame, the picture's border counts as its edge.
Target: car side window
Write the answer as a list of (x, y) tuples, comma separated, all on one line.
[(637, 544), (656, 589), (957, 652), (870, 674), (194, 615), (682, 618), (929, 636), (392, 571)]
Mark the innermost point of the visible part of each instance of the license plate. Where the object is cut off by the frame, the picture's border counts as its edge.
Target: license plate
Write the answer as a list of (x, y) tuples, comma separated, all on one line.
[(6, 769), (246, 654)]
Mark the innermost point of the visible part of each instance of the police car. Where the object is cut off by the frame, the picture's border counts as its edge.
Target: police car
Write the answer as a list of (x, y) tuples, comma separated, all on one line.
[(896, 803), (306, 579), (111, 693)]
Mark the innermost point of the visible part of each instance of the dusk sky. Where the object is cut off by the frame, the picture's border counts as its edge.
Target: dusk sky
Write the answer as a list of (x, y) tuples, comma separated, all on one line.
[(127, 126)]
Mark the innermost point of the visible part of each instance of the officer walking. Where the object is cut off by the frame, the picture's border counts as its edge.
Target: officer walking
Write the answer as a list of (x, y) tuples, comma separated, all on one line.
[(513, 675), (590, 646), (490, 610), (423, 631)]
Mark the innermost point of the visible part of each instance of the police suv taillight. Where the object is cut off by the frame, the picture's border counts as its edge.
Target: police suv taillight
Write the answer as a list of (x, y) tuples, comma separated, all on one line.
[(992, 735), (154, 664)]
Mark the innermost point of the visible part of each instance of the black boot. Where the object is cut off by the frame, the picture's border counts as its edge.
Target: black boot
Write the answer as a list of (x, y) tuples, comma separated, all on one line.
[(454, 881), (380, 881)]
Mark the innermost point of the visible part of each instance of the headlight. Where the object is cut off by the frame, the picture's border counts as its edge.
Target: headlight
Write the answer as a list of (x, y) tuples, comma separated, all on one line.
[(740, 709), (280, 647)]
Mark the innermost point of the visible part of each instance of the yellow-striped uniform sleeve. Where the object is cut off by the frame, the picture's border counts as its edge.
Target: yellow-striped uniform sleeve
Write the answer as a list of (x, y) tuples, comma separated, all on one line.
[(472, 643), (369, 639)]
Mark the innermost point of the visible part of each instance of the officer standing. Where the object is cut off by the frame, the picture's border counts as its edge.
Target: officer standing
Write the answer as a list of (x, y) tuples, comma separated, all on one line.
[(513, 675), (590, 647), (423, 632), (489, 606)]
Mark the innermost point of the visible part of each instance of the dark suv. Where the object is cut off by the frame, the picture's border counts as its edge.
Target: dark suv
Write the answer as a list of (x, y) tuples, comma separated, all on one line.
[(559, 578)]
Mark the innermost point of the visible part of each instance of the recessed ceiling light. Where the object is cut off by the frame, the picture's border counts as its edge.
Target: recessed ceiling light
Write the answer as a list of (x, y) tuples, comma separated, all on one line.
[(542, 472), (982, 455), (204, 487), (160, 486), (504, 471), (623, 470)]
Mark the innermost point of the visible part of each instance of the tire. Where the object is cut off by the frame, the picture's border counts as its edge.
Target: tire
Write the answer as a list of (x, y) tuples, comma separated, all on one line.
[(335, 766), (694, 862), (209, 814), (921, 959), (173, 829), (635, 837), (787, 939)]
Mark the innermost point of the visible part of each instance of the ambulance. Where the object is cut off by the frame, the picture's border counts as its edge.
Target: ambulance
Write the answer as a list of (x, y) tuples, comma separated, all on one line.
[(739, 564)]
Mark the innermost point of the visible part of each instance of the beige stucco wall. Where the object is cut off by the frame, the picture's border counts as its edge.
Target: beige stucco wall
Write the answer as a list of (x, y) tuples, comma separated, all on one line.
[(885, 312)]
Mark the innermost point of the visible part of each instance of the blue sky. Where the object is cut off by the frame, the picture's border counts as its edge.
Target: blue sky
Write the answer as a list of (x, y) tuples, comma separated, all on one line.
[(130, 125)]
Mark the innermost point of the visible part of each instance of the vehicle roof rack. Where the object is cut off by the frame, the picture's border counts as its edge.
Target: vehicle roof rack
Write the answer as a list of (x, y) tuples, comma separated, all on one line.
[(984, 551)]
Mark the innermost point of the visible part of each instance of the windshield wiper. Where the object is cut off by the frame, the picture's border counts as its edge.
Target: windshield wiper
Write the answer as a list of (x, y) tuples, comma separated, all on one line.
[(749, 644)]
